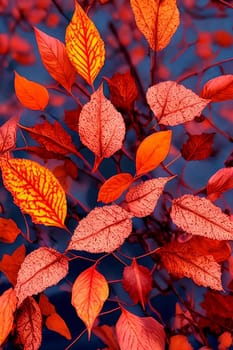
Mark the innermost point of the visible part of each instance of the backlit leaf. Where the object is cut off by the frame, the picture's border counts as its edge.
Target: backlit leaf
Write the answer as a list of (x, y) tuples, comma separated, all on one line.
[(32, 95), (219, 88), (42, 268), (9, 230), (55, 323), (101, 127), (7, 309), (46, 307), (90, 291), (134, 332), (102, 230), (8, 134), (36, 191), (142, 199), (10, 264), (108, 336), (181, 260), (157, 20), (220, 182), (152, 151), (54, 57), (198, 216), (29, 324), (84, 46), (179, 342), (114, 187), (198, 147), (137, 281), (173, 103)]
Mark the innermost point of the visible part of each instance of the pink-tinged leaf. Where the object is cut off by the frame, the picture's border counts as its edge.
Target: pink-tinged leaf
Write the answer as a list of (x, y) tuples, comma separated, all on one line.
[(89, 292), (8, 134), (181, 260), (54, 57), (198, 216), (7, 309), (139, 333), (42, 268), (220, 182), (198, 147), (173, 103), (108, 336), (114, 187), (137, 281), (102, 230), (101, 127), (142, 199), (29, 325), (219, 88)]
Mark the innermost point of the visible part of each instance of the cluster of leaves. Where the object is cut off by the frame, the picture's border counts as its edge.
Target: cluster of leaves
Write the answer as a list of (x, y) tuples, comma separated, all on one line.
[(191, 239)]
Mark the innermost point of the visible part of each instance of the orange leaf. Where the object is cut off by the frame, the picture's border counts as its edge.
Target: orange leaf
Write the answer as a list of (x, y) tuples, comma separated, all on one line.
[(55, 323), (179, 342), (137, 281), (84, 46), (220, 182), (8, 134), (42, 268), (142, 199), (114, 187), (173, 103), (102, 230), (152, 151), (36, 191), (108, 336), (101, 127), (29, 325), (32, 95), (55, 59), (157, 20), (198, 216), (9, 231), (7, 309), (90, 291), (219, 89), (46, 307), (10, 264), (134, 332)]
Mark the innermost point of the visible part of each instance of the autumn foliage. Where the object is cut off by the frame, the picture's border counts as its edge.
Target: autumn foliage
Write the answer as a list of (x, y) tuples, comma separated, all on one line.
[(117, 175)]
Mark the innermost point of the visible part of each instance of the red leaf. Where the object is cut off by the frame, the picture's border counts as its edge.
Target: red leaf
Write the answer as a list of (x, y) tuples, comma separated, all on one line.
[(219, 89), (8, 134), (42, 268), (54, 57), (173, 103), (45, 306), (9, 230), (55, 323), (32, 95), (108, 336), (113, 188), (179, 342), (101, 127), (198, 147), (137, 281), (7, 309), (72, 118), (134, 332), (29, 324), (142, 199), (198, 216), (103, 230), (10, 264), (220, 182)]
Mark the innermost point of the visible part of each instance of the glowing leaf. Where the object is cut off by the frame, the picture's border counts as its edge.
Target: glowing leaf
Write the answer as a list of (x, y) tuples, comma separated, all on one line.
[(181, 260), (173, 103), (179, 342), (89, 292), (7, 309), (152, 151), (32, 95), (84, 46), (114, 187), (225, 341), (108, 336), (103, 230), (9, 230), (36, 191), (157, 20), (142, 199), (8, 135), (101, 127), (55, 59), (42, 268), (10, 264), (55, 323), (198, 216), (220, 182), (137, 281), (29, 324), (134, 332), (198, 147), (219, 88)]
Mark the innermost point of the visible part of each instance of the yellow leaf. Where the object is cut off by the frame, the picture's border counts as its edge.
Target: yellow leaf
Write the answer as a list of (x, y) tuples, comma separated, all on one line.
[(84, 46), (36, 191)]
